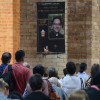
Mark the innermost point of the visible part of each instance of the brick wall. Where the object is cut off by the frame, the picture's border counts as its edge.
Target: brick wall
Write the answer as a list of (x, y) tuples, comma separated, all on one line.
[(95, 31), (9, 30), (79, 30), (78, 33), (18, 29), (29, 37)]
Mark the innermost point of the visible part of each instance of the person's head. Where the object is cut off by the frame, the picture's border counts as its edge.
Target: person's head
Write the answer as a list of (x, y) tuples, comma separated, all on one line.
[(54, 81), (71, 68), (35, 82), (45, 74), (96, 80), (95, 69), (4, 87), (56, 24), (15, 95), (39, 69), (65, 71), (19, 56), (78, 95), (52, 72), (83, 67), (6, 57), (26, 64)]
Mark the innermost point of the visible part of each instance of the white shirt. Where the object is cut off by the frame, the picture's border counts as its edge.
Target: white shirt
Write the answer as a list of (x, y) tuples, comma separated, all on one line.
[(83, 75), (71, 83)]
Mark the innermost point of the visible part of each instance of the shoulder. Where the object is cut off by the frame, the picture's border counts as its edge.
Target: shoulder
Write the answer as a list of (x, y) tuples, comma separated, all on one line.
[(52, 35), (61, 36)]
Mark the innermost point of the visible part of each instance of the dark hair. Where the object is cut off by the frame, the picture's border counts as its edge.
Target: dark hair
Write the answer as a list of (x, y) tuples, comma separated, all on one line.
[(19, 55), (96, 80), (83, 67), (52, 72), (35, 82), (95, 69), (65, 71), (15, 95), (71, 68), (6, 57), (57, 17), (39, 69)]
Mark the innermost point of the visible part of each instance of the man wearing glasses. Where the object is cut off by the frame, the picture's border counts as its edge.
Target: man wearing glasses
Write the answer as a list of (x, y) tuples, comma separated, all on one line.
[(55, 33)]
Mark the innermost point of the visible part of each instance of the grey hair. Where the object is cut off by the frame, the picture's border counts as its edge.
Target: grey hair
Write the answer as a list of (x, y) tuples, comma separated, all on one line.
[(53, 80), (52, 72), (26, 64)]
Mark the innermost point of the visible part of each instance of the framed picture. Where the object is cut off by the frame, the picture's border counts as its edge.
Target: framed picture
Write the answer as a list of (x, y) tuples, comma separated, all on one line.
[(56, 26), (50, 27)]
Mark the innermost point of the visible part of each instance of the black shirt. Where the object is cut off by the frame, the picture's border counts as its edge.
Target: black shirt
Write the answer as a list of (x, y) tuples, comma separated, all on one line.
[(36, 96), (93, 94)]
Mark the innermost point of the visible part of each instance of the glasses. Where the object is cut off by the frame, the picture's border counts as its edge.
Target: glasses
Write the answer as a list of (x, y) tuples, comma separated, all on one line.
[(57, 24)]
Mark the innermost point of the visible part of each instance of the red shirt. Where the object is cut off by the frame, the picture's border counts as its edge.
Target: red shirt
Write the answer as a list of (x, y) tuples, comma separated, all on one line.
[(21, 75)]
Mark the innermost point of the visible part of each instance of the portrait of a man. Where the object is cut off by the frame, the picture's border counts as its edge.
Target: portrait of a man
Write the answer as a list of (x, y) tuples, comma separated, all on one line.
[(56, 28)]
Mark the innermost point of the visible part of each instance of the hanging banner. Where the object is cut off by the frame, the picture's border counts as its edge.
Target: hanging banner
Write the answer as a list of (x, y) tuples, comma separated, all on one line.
[(50, 27)]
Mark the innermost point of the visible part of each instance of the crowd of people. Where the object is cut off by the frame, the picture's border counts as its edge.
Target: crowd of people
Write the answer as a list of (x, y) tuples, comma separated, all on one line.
[(45, 84)]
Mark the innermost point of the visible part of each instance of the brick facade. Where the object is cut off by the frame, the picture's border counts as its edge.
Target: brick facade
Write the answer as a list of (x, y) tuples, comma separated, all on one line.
[(29, 38), (80, 31), (82, 38), (9, 26)]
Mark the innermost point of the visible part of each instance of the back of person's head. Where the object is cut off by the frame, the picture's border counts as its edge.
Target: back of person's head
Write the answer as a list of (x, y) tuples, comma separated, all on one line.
[(83, 67), (95, 69), (2, 84), (6, 57), (54, 80), (35, 82), (45, 74), (4, 87), (26, 64), (78, 95), (65, 71), (96, 80), (71, 68), (39, 69), (15, 95), (52, 72), (19, 55), (6, 90)]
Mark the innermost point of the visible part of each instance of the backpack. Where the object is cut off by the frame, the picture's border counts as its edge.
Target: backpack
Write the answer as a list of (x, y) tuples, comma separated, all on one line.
[(9, 78), (87, 83), (52, 93), (82, 83)]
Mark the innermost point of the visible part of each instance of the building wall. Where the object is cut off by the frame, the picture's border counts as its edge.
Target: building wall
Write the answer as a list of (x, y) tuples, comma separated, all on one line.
[(78, 34), (9, 29), (95, 32), (18, 29), (80, 31), (29, 37)]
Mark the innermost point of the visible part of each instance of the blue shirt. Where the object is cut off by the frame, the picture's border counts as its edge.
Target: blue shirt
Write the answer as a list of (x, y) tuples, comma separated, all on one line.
[(2, 67)]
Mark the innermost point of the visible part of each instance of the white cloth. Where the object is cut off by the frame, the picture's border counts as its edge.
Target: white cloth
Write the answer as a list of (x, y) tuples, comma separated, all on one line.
[(60, 81), (83, 75), (71, 83), (60, 92)]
